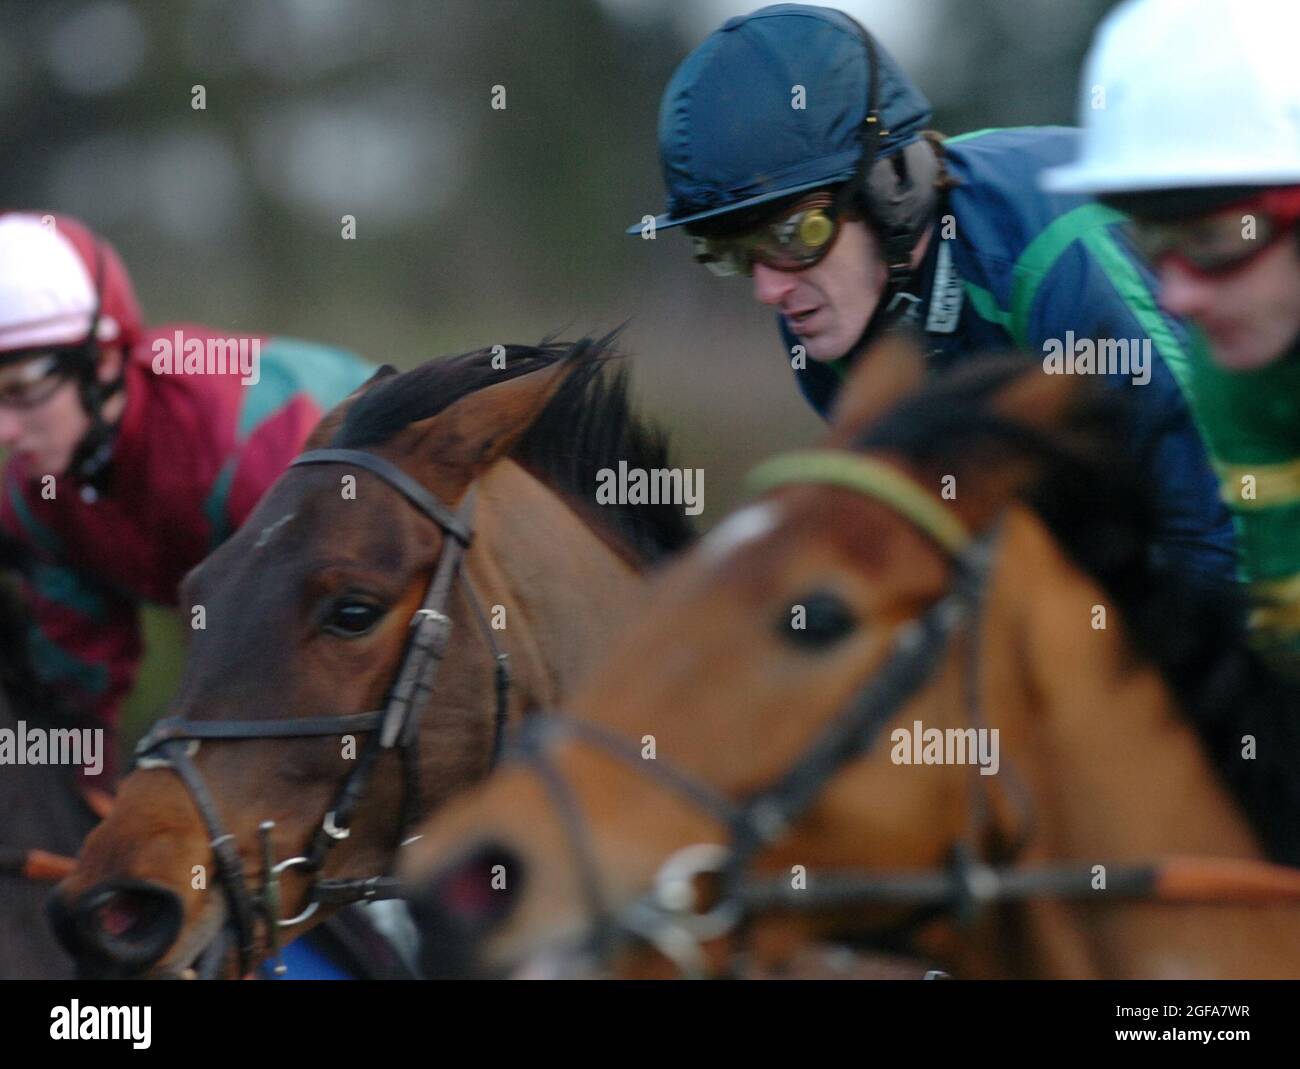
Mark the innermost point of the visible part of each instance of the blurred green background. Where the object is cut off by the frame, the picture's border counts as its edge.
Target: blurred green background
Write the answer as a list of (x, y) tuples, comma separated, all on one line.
[(474, 226)]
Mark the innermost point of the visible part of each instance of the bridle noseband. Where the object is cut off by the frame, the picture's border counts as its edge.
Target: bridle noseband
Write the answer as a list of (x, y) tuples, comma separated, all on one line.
[(173, 742), (667, 917)]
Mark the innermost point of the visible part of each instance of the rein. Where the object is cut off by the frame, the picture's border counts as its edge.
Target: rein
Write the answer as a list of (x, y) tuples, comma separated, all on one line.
[(669, 917), (174, 741)]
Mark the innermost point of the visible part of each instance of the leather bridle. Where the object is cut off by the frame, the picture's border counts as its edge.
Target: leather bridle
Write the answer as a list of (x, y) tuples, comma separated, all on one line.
[(173, 742), (669, 918)]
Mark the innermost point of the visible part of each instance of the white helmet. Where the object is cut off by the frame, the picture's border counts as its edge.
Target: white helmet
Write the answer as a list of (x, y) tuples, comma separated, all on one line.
[(1181, 94)]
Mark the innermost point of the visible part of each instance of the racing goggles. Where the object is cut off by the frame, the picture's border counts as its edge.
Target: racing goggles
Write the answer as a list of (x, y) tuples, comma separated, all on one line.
[(793, 241), (35, 380), (1224, 241)]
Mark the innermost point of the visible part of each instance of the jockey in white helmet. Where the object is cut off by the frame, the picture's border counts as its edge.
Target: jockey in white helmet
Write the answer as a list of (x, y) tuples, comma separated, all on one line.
[(1192, 117)]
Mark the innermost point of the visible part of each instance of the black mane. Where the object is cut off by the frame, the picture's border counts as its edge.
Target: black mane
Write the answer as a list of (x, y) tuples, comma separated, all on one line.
[(588, 425), (1099, 506)]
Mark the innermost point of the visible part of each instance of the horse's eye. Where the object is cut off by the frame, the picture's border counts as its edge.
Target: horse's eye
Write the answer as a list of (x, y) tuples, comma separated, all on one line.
[(817, 621), (353, 617)]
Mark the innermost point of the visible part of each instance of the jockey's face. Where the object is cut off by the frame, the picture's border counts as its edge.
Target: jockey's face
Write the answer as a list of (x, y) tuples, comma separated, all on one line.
[(46, 435), (1251, 316), (828, 305)]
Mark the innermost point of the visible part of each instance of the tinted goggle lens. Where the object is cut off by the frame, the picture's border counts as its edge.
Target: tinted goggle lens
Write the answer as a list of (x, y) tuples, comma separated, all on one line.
[(791, 243), (35, 382), (1211, 246)]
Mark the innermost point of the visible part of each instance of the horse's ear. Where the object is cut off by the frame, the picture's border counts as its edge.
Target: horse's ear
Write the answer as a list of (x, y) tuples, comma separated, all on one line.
[(1040, 400), (325, 430), (991, 472), (484, 426), (887, 372)]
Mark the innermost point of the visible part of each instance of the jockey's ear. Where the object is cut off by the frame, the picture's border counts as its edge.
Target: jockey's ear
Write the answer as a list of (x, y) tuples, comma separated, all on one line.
[(888, 371), (333, 419)]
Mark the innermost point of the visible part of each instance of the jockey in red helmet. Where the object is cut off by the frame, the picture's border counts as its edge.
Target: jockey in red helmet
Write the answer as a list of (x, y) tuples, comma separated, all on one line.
[(131, 452)]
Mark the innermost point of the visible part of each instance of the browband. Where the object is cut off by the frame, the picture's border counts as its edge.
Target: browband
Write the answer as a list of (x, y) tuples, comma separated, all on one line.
[(416, 494)]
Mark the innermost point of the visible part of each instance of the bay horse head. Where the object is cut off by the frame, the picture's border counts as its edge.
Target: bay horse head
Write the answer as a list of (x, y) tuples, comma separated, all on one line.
[(918, 693), (428, 568)]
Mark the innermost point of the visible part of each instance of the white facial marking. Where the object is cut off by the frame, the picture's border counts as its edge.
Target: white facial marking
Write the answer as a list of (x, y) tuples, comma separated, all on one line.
[(269, 532), (740, 527)]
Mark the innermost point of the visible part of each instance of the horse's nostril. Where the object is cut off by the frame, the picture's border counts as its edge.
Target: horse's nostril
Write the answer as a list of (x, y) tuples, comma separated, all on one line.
[(128, 915), (481, 889), (461, 905), (118, 928)]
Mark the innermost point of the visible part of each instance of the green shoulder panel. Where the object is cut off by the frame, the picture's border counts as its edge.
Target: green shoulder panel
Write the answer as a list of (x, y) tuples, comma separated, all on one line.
[(290, 367)]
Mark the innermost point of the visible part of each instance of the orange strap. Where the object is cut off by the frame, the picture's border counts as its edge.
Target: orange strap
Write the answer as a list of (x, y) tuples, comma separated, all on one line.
[(1225, 881), (47, 867), (100, 801)]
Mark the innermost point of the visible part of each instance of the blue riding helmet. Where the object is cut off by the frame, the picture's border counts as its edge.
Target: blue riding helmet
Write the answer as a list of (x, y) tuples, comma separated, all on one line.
[(730, 137)]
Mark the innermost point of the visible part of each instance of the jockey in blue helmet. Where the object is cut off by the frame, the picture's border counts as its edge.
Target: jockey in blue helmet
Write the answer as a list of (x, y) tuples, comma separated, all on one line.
[(795, 151)]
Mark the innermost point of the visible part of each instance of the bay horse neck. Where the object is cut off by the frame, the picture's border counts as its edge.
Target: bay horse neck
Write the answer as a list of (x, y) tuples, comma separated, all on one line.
[(1115, 772), (544, 560)]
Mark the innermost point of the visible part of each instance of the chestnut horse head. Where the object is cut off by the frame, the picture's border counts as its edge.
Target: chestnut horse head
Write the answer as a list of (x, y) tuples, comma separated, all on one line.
[(432, 565), (917, 694)]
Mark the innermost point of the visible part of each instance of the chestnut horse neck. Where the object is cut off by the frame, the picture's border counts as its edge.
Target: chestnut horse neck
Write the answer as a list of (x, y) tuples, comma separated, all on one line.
[(1092, 729)]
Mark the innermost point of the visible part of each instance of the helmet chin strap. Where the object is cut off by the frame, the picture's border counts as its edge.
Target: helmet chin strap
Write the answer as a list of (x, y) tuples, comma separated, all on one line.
[(896, 196), (898, 203), (94, 453), (896, 308)]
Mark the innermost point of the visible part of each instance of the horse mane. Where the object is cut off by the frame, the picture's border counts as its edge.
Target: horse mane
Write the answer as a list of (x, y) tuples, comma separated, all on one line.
[(587, 425), (1100, 509)]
